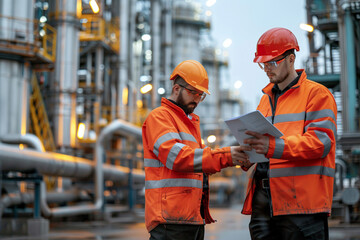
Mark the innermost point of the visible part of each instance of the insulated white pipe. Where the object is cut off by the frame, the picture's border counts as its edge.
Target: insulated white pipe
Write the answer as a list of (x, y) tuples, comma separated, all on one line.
[(46, 163), (123, 56), (56, 164), (52, 197), (118, 126), (60, 165), (156, 50), (28, 139)]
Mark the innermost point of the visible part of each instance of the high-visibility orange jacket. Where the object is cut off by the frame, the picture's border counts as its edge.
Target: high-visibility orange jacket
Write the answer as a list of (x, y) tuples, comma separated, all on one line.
[(302, 161), (175, 160)]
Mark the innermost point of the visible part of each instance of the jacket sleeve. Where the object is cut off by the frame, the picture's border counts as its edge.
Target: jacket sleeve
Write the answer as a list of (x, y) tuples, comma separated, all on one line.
[(180, 151), (319, 132)]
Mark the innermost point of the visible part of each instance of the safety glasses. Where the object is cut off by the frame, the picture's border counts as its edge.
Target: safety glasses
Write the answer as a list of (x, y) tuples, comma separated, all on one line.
[(272, 64), (196, 94)]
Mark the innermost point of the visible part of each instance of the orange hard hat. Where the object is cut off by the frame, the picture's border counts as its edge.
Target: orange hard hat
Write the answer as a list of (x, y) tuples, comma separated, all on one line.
[(193, 73), (273, 43)]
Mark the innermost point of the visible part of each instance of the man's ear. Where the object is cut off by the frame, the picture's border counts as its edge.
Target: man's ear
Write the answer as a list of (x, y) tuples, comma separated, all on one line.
[(176, 88), (292, 59)]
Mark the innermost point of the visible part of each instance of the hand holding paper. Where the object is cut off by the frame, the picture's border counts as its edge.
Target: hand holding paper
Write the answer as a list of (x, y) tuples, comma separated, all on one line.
[(256, 123), (258, 142)]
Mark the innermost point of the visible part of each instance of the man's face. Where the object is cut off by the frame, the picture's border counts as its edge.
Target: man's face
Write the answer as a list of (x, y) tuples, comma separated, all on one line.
[(186, 100), (279, 72)]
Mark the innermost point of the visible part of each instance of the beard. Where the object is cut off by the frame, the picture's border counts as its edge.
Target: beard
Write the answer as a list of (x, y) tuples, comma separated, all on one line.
[(188, 108), (279, 77)]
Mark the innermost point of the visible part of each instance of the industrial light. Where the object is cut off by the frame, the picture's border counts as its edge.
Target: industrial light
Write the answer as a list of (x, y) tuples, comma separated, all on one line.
[(146, 37), (139, 103), (140, 26), (94, 6), (307, 27), (125, 94), (227, 43), (43, 19), (146, 88), (238, 84), (210, 3), (45, 6), (81, 131), (148, 55), (218, 51), (211, 139), (145, 78), (161, 91)]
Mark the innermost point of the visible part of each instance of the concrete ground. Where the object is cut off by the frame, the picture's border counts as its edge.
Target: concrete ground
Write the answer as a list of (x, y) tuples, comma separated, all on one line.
[(230, 225)]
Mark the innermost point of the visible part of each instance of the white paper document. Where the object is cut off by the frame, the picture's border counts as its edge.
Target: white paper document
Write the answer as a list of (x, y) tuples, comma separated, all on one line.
[(253, 121)]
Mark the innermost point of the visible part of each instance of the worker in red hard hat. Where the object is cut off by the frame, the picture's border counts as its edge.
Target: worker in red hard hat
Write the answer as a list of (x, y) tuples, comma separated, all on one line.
[(290, 196), (176, 161)]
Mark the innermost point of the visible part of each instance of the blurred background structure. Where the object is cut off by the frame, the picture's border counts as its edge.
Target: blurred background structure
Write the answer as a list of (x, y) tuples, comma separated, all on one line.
[(78, 78)]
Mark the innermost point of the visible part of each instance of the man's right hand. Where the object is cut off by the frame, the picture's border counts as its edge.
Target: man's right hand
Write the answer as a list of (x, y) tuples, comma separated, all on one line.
[(239, 157)]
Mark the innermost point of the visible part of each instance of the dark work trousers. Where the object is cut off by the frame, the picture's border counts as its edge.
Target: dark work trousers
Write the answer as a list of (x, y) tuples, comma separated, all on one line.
[(177, 232), (286, 227)]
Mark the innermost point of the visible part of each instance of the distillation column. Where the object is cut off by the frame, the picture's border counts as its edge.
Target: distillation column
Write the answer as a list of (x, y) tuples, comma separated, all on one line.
[(63, 80), (16, 27), (186, 33)]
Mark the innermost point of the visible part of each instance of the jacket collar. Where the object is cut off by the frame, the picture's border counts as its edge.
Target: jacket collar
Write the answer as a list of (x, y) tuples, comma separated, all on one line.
[(303, 76), (167, 103)]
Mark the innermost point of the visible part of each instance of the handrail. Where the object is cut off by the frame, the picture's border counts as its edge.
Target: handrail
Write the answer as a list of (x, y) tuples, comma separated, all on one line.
[(33, 38), (97, 29)]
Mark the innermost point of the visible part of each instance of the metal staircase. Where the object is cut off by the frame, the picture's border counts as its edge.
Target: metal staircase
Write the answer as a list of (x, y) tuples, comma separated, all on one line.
[(39, 119)]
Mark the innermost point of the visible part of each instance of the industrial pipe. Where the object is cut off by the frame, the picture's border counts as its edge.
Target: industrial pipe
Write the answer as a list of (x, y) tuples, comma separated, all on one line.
[(56, 164), (59, 165), (118, 126), (28, 139), (53, 197)]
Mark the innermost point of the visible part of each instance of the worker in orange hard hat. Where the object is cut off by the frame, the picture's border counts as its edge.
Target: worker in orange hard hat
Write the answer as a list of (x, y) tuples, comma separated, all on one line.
[(290, 196), (177, 163)]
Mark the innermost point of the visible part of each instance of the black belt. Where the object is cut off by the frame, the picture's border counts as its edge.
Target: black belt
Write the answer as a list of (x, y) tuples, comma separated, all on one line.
[(262, 183)]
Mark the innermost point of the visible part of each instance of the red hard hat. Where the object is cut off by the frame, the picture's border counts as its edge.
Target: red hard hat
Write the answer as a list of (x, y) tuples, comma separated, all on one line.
[(193, 73), (274, 43)]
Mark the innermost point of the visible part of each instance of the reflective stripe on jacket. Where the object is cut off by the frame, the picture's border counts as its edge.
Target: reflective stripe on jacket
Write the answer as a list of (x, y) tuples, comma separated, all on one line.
[(302, 162), (175, 160)]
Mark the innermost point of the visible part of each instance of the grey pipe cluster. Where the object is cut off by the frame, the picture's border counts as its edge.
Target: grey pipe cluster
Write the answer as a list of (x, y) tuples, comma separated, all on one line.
[(55, 164)]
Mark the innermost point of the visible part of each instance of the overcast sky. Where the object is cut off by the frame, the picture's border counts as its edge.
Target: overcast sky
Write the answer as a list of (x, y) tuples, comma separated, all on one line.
[(244, 22)]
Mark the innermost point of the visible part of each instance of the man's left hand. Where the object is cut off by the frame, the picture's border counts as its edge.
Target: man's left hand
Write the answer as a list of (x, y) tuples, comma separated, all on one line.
[(259, 142)]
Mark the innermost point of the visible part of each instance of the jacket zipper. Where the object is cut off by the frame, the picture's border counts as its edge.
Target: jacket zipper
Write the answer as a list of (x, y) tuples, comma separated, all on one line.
[(273, 109)]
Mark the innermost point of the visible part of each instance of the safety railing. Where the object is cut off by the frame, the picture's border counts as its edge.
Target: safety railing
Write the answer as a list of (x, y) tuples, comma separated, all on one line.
[(97, 29), (40, 123), (47, 36), (138, 115), (27, 37)]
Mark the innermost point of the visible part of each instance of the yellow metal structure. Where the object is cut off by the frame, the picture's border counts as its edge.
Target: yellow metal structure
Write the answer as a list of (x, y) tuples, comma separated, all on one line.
[(97, 29), (39, 118), (138, 115), (48, 40), (34, 39)]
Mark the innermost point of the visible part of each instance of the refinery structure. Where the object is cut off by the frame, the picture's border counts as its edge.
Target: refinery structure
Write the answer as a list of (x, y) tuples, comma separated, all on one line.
[(78, 78)]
